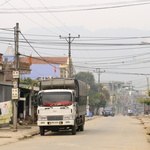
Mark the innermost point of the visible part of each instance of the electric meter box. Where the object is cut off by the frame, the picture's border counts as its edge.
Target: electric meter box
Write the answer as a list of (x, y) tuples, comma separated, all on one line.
[(15, 93), (16, 74)]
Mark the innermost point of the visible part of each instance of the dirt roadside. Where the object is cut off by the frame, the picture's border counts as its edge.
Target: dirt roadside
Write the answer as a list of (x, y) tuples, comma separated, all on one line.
[(145, 122)]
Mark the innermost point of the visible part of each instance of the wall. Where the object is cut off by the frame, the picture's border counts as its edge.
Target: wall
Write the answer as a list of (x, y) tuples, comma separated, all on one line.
[(39, 70), (5, 93)]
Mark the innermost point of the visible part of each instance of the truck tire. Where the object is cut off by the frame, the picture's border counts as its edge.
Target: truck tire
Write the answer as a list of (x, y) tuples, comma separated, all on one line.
[(42, 131), (74, 130), (81, 127)]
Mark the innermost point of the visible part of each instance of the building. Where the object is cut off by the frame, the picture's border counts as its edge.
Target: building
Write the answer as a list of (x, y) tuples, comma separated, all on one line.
[(123, 96), (25, 104), (47, 67), (8, 65)]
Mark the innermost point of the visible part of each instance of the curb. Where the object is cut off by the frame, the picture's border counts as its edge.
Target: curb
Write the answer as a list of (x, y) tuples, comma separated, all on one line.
[(5, 137), (29, 135)]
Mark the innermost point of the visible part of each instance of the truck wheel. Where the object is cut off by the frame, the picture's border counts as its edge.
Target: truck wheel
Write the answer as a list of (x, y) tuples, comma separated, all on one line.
[(42, 131), (78, 129), (74, 130), (81, 127)]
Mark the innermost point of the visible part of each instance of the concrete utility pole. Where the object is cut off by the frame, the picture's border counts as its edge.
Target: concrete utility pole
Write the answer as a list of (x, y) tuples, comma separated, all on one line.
[(99, 72), (147, 79), (69, 39), (15, 89)]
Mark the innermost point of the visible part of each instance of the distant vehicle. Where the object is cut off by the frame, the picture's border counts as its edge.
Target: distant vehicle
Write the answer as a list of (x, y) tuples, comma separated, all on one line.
[(130, 112), (108, 111)]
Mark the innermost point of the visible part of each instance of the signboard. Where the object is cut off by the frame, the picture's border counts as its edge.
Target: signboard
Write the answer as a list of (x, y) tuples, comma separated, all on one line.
[(5, 112), (15, 74), (22, 99), (15, 93), (15, 84)]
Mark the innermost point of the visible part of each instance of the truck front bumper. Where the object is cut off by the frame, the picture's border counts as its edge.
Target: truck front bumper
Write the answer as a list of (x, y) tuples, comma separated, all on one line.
[(56, 123)]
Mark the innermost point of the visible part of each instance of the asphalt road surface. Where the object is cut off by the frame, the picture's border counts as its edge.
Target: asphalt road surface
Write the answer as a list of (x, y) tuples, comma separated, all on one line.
[(105, 133)]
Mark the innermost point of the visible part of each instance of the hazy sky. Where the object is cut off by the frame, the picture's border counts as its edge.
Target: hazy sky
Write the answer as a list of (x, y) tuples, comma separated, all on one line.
[(121, 21), (123, 17)]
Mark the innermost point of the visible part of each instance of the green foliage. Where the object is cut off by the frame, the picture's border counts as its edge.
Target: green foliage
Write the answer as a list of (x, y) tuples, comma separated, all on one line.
[(86, 77), (96, 99), (26, 81), (29, 82), (144, 101)]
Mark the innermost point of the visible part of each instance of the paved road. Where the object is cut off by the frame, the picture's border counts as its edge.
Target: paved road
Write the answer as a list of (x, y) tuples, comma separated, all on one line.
[(107, 133)]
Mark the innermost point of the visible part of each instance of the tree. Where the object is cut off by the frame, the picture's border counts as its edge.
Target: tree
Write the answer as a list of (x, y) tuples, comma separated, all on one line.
[(86, 77), (145, 101), (96, 99), (29, 82)]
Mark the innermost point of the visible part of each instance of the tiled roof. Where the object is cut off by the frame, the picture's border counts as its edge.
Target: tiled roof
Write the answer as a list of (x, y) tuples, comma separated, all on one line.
[(45, 60)]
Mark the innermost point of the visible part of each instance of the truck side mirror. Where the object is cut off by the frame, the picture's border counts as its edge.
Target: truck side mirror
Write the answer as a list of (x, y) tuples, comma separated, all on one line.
[(76, 99), (39, 99)]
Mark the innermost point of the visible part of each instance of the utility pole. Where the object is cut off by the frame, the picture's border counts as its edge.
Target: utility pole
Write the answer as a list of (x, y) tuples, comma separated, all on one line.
[(15, 89), (69, 40), (147, 79), (99, 72)]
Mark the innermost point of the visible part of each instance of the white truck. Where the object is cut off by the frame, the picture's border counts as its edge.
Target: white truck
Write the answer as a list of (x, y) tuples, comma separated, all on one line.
[(62, 105)]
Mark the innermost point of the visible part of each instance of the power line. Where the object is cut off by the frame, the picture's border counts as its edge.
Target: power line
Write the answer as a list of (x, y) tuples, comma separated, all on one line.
[(27, 17), (127, 73), (84, 38), (50, 42), (115, 5), (44, 17), (5, 2), (55, 16), (7, 29), (36, 51)]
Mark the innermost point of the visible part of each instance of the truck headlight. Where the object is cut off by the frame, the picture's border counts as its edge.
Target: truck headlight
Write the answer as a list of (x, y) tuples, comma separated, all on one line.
[(68, 117), (42, 118)]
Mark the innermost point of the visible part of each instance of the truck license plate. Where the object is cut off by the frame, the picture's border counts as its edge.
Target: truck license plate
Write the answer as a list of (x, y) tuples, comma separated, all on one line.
[(55, 122)]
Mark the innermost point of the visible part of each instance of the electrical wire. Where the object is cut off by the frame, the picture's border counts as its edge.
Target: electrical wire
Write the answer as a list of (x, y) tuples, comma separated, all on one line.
[(44, 17), (55, 17), (37, 52), (5, 2), (96, 7), (7, 29), (36, 41), (29, 18), (144, 60)]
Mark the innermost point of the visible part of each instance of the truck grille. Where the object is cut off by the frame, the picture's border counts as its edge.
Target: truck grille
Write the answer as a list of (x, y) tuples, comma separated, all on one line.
[(54, 117)]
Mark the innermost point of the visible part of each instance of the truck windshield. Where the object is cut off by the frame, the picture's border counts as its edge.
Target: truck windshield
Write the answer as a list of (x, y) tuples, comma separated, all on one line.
[(55, 99)]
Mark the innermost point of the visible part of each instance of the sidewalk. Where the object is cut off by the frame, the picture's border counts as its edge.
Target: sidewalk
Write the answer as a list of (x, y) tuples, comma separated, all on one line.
[(7, 135)]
